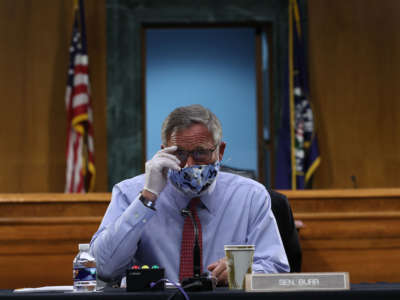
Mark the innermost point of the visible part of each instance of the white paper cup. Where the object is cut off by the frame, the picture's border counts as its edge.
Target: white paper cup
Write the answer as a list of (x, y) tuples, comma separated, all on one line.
[(239, 261)]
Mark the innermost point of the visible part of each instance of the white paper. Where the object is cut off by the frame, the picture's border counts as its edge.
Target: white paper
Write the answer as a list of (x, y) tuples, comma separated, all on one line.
[(60, 288)]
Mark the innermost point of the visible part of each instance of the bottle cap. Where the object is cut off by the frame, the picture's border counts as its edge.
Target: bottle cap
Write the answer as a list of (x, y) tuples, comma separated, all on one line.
[(83, 247)]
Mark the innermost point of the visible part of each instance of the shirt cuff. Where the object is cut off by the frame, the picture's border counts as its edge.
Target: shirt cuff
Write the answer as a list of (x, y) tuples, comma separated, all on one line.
[(138, 213)]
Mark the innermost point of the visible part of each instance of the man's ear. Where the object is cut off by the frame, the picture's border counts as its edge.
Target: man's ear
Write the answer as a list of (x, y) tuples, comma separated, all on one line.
[(221, 150)]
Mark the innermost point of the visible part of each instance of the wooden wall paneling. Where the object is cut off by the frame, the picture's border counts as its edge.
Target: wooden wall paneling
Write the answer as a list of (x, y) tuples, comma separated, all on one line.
[(12, 83), (353, 50), (353, 54), (350, 230), (33, 69), (44, 138), (40, 233), (44, 266), (369, 269), (97, 48), (344, 200)]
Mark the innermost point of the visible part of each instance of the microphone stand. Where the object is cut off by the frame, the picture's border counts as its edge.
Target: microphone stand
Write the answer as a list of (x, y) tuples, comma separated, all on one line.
[(199, 282)]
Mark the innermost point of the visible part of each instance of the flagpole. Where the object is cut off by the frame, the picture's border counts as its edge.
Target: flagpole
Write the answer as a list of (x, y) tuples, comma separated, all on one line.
[(291, 97)]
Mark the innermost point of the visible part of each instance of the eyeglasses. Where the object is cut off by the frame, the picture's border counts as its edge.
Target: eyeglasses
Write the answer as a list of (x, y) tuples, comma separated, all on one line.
[(199, 155)]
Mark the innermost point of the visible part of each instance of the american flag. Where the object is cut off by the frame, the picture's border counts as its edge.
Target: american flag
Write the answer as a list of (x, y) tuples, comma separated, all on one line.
[(80, 170)]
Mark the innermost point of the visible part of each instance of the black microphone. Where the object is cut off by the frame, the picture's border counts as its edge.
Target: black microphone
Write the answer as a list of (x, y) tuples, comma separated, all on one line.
[(198, 282), (354, 180)]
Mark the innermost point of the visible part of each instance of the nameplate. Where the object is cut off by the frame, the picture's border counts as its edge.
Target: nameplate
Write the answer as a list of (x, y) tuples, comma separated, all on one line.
[(296, 282)]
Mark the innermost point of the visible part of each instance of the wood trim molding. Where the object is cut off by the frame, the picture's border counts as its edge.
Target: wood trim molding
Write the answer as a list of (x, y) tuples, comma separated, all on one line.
[(54, 197), (342, 193), (49, 220), (349, 215)]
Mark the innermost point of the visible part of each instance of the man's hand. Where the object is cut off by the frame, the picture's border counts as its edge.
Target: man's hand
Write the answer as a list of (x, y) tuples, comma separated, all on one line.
[(156, 170), (219, 270)]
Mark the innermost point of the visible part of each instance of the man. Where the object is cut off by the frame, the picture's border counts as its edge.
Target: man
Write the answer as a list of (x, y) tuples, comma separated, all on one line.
[(143, 223)]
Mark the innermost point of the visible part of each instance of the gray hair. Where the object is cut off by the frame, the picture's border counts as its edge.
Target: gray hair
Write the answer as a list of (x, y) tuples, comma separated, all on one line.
[(185, 116)]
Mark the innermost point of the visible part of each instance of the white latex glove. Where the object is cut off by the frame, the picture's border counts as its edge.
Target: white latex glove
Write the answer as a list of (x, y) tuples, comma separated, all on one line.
[(157, 168)]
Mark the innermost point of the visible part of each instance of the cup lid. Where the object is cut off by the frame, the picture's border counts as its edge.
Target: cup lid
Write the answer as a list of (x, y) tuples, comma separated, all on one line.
[(83, 247), (239, 247)]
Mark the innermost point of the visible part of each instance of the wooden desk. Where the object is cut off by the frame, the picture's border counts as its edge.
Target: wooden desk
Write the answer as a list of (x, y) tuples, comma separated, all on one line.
[(354, 230), (345, 230), (40, 233), (377, 291)]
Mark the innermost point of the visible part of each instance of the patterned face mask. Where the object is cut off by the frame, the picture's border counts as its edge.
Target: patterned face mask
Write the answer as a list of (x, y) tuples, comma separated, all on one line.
[(193, 181)]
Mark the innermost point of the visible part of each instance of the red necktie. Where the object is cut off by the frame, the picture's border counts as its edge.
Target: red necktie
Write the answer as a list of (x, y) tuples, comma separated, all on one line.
[(186, 265)]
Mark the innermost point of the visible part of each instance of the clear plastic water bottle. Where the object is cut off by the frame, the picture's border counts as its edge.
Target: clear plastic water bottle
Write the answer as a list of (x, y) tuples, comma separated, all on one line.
[(84, 270)]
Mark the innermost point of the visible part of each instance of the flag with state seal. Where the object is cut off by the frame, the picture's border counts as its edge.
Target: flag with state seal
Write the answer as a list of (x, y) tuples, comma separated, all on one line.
[(298, 154)]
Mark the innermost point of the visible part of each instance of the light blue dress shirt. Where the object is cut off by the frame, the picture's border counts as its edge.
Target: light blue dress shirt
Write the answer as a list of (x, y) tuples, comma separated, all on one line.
[(236, 211)]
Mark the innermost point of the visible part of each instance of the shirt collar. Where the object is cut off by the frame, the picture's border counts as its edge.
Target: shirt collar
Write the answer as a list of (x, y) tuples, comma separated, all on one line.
[(181, 201), (209, 199)]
